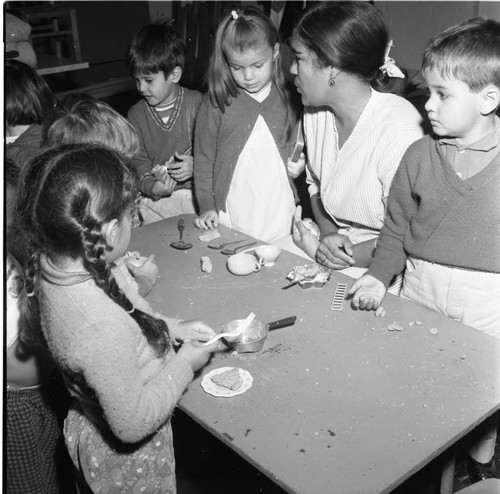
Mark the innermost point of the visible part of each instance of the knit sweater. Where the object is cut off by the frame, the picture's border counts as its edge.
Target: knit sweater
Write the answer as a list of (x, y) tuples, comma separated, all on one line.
[(435, 216), (105, 359), (157, 142), (220, 138)]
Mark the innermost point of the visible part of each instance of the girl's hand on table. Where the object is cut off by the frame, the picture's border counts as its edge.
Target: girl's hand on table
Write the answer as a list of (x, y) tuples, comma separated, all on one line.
[(193, 330), (180, 168), (335, 251), (368, 293), (207, 220), (196, 354)]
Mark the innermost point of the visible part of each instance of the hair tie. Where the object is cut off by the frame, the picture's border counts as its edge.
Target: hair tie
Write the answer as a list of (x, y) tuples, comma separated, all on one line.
[(131, 310), (390, 68), (234, 14), (30, 294)]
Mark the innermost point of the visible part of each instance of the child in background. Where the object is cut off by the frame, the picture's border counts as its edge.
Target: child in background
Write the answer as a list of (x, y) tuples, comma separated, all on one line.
[(117, 355), (245, 132), (83, 119), (32, 423), (28, 98), (164, 120), (443, 218)]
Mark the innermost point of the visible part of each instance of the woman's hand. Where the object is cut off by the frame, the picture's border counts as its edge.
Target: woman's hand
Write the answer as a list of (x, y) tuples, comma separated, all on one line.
[(368, 293), (180, 168), (207, 220), (335, 251), (302, 236), (193, 330), (196, 354)]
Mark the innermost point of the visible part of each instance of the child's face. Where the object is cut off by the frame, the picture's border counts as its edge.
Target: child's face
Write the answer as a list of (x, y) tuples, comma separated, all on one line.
[(252, 69), (311, 81), (156, 89), (453, 110)]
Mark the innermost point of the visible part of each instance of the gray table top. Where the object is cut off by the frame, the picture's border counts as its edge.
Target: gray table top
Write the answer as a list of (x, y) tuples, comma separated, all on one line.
[(339, 403)]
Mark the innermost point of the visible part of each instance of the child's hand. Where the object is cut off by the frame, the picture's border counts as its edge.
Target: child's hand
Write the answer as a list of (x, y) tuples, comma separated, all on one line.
[(368, 293), (295, 168), (207, 220), (194, 330), (143, 267), (302, 236), (335, 251), (160, 172), (165, 188), (181, 168), (196, 354)]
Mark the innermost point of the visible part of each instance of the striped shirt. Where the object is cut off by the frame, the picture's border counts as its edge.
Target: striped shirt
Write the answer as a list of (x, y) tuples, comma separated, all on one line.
[(354, 182)]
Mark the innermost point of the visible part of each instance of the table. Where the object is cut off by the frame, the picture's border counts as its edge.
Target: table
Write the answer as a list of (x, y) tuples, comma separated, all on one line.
[(339, 404)]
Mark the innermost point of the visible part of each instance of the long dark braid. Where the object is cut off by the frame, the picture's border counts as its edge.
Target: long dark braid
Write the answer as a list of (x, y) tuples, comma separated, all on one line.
[(155, 330), (66, 196)]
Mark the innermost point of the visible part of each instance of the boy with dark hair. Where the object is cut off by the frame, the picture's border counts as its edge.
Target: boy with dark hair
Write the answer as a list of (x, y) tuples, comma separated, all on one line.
[(164, 120), (443, 214)]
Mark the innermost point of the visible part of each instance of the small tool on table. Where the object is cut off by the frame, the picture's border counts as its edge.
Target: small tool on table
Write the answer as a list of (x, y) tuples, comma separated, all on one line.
[(181, 245)]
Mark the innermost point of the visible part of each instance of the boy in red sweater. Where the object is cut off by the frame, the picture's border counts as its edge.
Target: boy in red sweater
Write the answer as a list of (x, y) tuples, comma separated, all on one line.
[(164, 120), (443, 214)]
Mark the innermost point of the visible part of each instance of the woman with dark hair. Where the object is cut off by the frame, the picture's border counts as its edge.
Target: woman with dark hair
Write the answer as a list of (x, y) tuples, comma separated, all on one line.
[(355, 132)]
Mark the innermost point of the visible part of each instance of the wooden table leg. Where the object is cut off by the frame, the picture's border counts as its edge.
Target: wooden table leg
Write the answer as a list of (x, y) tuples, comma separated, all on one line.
[(448, 471)]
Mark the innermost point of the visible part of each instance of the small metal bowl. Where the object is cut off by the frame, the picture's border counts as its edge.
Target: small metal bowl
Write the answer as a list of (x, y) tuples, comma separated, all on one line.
[(250, 347), (252, 340)]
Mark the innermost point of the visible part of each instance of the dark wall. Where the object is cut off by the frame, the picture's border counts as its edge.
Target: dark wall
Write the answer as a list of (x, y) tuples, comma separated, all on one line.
[(105, 29)]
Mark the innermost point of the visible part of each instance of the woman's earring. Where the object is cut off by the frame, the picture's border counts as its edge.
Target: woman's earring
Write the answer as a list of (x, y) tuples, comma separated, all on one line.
[(331, 81)]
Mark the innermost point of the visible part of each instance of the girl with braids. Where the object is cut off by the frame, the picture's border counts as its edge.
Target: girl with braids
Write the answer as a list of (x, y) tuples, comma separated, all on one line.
[(125, 365), (243, 135)]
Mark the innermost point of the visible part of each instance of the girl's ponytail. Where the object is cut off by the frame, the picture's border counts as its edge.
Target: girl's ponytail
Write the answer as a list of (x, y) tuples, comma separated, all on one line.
[(240, 30)]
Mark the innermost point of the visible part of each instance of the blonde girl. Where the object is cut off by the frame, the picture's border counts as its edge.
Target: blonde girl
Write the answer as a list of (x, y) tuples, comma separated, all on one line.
[(243, 132), (125, 365)]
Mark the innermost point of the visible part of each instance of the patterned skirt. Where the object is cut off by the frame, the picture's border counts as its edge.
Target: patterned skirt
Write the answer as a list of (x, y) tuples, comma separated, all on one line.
[(110, 466)]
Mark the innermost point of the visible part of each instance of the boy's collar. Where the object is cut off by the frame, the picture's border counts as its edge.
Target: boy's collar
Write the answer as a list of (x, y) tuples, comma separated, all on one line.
[(486, 143)]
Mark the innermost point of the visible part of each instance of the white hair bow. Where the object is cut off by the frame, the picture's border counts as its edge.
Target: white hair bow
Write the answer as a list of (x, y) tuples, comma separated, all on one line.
[(390, 68)]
